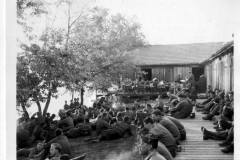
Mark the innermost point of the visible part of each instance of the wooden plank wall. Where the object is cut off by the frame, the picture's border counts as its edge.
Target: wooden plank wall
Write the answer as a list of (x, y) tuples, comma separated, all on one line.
[(170, 73), (219, 72)]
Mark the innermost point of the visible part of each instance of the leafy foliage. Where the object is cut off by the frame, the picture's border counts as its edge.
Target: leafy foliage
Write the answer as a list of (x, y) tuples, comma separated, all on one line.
[(95, 51), (35, 7), (105, 42)]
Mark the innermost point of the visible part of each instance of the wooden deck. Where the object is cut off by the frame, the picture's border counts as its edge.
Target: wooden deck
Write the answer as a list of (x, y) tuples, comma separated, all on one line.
[(195, 148)]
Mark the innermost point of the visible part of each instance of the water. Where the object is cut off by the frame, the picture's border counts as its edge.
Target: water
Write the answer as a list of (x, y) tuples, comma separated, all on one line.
[(58, 103)]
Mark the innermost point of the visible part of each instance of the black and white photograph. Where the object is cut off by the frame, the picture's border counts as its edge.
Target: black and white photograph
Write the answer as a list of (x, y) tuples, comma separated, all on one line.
[(121, 80)]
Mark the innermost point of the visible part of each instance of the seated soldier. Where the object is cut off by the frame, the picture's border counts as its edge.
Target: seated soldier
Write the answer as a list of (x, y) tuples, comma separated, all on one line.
[(36, 153), (50, 132), (119, 130), (55, 152), (23, 134), (225, 119), (81, 129), (155, 155), (213, 110), (66, 123), (66, 106), (183, 109), (145, 148), (180, 127), (71, 106), (163, 135), (171, 97), (78, 116), (210, 98), (76, 103), (159, 105), (171, 127), (206, 109), (24, 118), (62, 140), (101, 124), (223, 101)]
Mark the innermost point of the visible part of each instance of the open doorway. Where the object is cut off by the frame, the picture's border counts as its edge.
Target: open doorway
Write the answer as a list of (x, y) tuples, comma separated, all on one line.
[(197, 72), (147, 75)]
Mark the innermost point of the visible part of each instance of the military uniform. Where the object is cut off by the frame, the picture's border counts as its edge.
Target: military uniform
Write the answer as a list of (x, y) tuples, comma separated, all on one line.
[(117, 131), (180, 127), (164, 136), (182, 110)]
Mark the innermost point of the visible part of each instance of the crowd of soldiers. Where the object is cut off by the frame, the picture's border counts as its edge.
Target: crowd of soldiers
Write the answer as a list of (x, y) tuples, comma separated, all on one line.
[(103, 122), (157, 126), (218, 108), (141, 85)]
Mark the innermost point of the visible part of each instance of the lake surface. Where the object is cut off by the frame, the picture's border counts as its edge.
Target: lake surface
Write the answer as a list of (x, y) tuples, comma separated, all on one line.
[(58, 103)]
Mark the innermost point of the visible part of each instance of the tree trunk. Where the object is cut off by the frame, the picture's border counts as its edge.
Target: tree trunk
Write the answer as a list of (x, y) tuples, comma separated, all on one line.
[(72, 95), (25, 110), (47, 103), (38, 105), (82, 95)]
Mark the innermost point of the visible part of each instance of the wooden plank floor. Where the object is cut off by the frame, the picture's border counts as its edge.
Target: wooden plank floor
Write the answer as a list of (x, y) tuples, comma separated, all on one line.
[(195, 148)]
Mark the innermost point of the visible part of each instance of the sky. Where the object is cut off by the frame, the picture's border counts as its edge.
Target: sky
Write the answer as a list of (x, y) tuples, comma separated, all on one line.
[(179, 21), (163, 21)]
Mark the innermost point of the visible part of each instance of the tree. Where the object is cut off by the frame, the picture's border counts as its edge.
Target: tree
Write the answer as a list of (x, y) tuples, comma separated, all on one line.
[(26, 83), (42, 70), (104, 43), (93, 52)]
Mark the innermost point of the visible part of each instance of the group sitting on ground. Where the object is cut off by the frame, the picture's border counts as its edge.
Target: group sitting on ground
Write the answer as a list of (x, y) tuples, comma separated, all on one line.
[(157, 126), (100, 122), (219, 108)]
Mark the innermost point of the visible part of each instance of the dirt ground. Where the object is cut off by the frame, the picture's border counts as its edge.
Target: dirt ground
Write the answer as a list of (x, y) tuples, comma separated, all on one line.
[(120, 149)]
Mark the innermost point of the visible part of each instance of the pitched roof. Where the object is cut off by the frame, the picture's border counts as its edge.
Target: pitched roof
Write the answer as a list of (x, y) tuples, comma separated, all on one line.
[(221, 51), (175, 53)]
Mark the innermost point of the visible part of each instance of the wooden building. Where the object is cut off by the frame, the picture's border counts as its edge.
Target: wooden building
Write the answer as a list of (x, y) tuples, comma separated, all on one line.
[(170, 62), (219, 68)]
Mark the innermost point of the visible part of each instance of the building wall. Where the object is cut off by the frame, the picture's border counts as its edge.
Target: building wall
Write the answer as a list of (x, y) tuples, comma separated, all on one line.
[(219, 72), (170, 73)]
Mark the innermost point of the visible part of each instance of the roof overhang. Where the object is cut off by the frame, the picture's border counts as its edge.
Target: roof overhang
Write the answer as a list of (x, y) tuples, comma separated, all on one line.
[(220, 52), (169, 65)]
